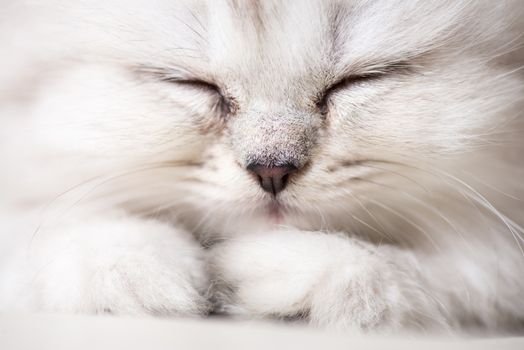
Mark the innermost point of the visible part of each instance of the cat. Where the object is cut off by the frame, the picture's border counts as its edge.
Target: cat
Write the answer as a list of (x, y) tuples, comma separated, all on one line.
[(354, 165)]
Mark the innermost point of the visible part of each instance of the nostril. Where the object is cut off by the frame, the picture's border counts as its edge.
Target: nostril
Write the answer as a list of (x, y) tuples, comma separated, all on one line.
[(266, 183), (272, 179)]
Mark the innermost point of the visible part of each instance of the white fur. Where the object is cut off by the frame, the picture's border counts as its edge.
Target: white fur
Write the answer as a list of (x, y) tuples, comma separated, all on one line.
[(342, 283), (112, 177), (113, 264)]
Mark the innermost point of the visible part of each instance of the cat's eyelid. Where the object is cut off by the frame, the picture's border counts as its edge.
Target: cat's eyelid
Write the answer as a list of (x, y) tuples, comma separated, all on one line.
[(371, 72), (160, 72), (376, 67), (374, 70), (378, 70), (344, 82), (178, 76), (193, 82)]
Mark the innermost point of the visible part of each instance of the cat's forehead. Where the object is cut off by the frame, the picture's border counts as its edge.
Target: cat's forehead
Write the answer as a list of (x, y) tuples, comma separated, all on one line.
[(238, 34), (268, 44), (271, 44)]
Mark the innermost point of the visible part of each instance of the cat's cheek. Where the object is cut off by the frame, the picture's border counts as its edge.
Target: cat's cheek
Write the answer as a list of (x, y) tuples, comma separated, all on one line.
[(101, 111)]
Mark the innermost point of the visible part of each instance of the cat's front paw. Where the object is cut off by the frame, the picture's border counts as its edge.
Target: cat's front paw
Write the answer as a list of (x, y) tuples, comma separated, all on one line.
[(120, 266), (328, 280)]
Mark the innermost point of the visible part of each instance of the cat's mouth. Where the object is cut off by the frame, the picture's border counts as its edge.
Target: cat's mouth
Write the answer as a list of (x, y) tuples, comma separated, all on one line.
[(275, 211)]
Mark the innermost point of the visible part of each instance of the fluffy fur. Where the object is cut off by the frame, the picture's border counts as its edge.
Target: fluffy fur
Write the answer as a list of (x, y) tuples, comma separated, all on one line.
[(127, 128)]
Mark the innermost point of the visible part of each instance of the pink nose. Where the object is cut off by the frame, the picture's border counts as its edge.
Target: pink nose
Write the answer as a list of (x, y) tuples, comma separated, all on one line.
[(272, 179)]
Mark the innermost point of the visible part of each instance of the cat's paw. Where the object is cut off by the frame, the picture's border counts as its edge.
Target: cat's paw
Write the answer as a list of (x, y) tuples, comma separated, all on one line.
[(119, 266), (328, 280)]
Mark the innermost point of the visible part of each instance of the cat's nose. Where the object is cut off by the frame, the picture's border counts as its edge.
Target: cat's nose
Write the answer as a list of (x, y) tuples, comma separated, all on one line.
[(272, 179)]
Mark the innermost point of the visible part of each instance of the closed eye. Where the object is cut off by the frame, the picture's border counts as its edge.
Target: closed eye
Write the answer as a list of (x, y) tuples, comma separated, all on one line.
[(194, 83), (322, 101), (223, 105), (178, 77)]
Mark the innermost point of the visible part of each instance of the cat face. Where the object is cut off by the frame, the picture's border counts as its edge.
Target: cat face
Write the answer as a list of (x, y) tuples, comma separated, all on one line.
[(283, 110)]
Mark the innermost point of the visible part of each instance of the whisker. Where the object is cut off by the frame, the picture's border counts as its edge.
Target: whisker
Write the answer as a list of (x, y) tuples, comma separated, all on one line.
[(493, 187), (103, 180), (363, 163), (422, 203), (512, 227), (361, 221), (408, 220)]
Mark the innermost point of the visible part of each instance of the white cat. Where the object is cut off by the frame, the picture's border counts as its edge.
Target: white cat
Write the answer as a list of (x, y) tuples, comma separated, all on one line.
[(353, 164)]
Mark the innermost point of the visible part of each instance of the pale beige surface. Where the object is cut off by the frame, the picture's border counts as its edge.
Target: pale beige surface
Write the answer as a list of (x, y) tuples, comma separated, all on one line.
[(82, 332)]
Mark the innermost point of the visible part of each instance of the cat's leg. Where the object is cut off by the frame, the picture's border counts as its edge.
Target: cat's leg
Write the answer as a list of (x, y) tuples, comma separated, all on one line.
[(117, 264), (327, 279)]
